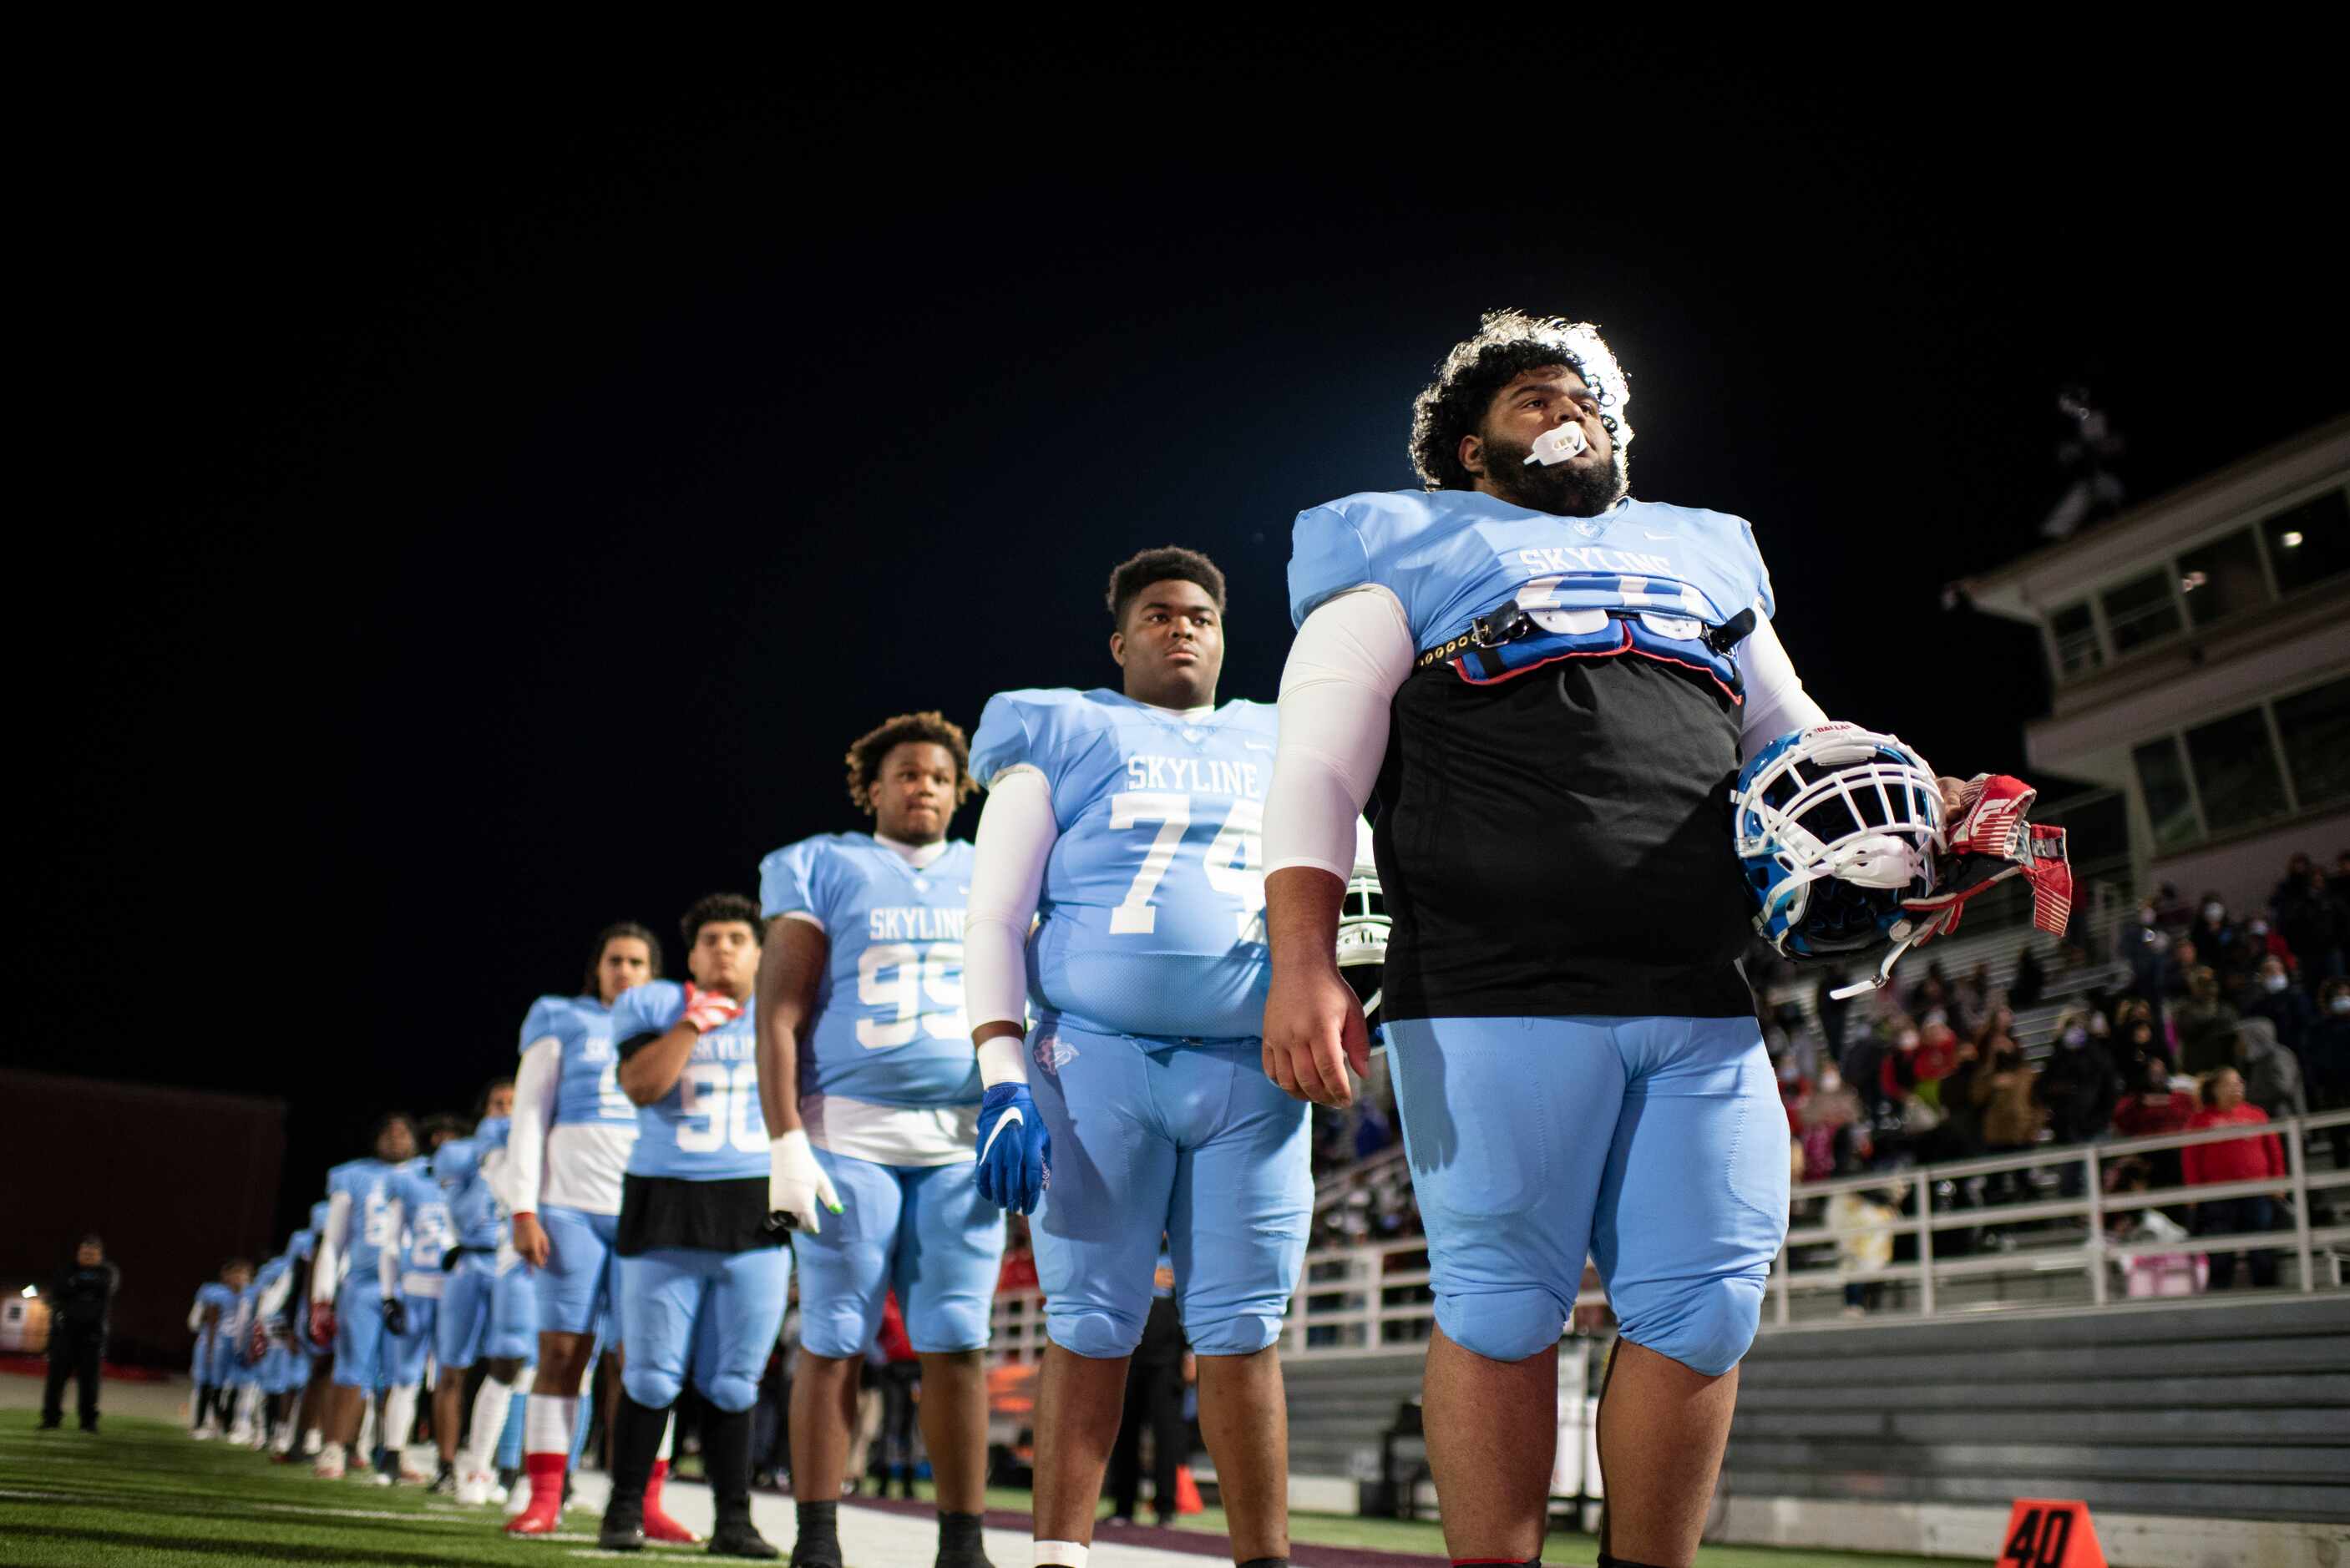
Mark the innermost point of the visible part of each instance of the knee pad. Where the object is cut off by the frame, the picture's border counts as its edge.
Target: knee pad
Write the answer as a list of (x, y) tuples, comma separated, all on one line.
[(728, 1392), (1707, 1329), (650, 1387), (1237, 1334), (1502, 1326), (955, 1326), (1096, 1335)]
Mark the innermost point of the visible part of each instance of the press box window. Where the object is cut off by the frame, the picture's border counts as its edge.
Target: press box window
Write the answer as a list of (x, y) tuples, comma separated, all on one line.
[(2235, 771), (2169, 805), (2316, 728), (2221, 579), (2078, 651), (2141, 610), (2311, 543)]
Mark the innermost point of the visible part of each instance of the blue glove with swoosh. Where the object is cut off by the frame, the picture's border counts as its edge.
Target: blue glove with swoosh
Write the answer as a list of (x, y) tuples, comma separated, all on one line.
[(1015, 1152)]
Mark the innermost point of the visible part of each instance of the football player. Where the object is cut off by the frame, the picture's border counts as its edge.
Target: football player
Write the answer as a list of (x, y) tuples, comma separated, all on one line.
[(414, 1276), (486, 1307), (313, 1363), (703, 1277), (354, 1279), (567, 1148), (861, 1025), (1126, 823), (1548, 686), (208, 1370)]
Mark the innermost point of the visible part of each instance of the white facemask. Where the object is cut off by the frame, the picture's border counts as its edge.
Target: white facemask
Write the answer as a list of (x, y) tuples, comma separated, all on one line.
[(2214, 911), (2272, 982)]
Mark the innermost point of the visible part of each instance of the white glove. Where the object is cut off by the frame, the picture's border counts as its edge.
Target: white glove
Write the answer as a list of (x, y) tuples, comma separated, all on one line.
[(797, 1184)]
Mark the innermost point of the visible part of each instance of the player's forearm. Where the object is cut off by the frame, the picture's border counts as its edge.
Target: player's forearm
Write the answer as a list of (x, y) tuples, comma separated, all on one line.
[(534, 1114), (1301, 916), (651, 1071), (1342, 674), (780, 1015), (1016, 834)]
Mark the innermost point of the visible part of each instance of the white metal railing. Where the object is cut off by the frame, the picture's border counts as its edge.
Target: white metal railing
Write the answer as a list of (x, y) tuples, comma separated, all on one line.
[(2089, 1256), (1374, 1299)]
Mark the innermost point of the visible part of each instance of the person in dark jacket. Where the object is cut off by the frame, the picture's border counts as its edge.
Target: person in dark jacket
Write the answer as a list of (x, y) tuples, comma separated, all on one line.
[(2080, 1087), (79, 1304), (2271, 1073), (1154, 1399), (2274, 996)]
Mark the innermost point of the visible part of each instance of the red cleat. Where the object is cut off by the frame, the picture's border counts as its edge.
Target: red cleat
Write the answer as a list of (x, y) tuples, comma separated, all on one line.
[(659, 1526), (545, 1514)]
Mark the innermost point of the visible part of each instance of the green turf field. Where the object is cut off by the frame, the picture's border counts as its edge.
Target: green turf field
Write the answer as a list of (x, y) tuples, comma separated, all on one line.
[(141, 1495)]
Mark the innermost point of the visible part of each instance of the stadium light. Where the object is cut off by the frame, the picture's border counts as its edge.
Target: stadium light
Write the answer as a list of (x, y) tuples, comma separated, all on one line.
[(2289, 541)]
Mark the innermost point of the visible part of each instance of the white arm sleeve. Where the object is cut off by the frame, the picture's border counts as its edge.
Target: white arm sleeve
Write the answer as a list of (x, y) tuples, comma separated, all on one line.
[(1017, 833), (1776, 702), (1349, 657), (323, 1267), (196, 1316), (534, 1112), (388, 1258), (272, 1295)]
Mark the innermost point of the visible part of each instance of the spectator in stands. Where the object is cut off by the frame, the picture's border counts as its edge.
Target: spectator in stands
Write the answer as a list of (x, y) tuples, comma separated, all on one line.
[(2080, 1088), (2271, 1073), (1864, 1224), (1971, 999), (2263, 940), (2004, 1090), (2315, 921), (2296, 877), (2288, 1009), (2155, 1110), (2218, 938), (1834, 1131), (2329, 1063), (1829, 1010), (1930, 993), (1156, 1375), (2171, 911), (1961, 1129), (2258, 1159), (2030, 982), (2137, 1039), (2207, 1024)]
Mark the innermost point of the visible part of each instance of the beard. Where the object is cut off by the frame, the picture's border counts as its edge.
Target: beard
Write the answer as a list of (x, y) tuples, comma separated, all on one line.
[(1581, 487)]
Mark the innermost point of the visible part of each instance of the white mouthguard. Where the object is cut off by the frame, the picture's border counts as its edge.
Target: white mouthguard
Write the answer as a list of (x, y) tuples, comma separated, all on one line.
[(1557, 446)]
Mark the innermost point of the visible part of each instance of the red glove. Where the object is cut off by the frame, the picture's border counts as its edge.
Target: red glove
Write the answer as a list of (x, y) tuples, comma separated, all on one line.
[(1990, 841), (257, 1342), (322, 1324), (707, 1009)]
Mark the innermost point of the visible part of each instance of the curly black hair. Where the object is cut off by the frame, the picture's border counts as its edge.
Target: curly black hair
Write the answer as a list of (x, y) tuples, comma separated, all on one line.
[(929, 727), (1507, 343), (613, 934), (482, 1101), (448, 1122), (719, 909), (1168, 562)]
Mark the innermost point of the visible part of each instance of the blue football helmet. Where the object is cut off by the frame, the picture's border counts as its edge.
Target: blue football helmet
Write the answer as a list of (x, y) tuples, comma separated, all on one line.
[(1835, 825)]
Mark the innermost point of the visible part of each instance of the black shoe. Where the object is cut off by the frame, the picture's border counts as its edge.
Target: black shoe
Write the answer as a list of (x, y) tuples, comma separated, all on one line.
[(738, 1538), (444, 1481), (973, 1558), (811, 1555), (51, 1423), (622, 1533), (90, 1427)]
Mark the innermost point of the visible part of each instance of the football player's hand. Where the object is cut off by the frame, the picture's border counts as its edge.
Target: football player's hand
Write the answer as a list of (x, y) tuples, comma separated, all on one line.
[(257, 1343), (1313, 1030), (322, 1324), (707, 1009), (797, 1184), (395, 1315), (1015, 1151), (530, 1239)]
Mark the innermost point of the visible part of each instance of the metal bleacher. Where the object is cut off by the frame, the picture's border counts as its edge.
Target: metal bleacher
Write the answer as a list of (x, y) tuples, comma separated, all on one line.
[(2222, 1407)]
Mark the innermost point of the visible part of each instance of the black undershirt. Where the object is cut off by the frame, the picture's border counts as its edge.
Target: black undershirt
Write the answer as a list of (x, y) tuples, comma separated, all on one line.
[(1559, 844), (728, 1215)]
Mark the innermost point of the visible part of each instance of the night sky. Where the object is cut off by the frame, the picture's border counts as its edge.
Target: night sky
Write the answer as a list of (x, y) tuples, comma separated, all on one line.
[(497, 496)]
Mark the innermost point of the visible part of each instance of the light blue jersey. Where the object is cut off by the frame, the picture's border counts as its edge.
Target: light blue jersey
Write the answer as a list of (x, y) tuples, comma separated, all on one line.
[(586, 1089), (709, 1127), (1639, 577), (367, 1183), (889, 1025), (1153, 907), (474, 1210), (425, 1215)]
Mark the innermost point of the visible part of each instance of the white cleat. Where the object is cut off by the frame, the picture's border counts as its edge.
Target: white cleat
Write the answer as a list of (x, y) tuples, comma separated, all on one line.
[(205, 1434), (473, 1488), (240, 1437), (312, 1442), (329, 1468)]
